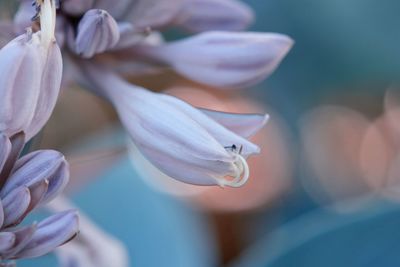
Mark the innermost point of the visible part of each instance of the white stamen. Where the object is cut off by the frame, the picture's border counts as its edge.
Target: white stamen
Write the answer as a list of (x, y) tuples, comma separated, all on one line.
[(47, 21), (242, 174)]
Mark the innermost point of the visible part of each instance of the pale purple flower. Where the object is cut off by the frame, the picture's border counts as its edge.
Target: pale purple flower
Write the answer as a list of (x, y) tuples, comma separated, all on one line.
[(97, 32), (108, 29), (186, 143), (224, 59), (30, 78), (25, 184), (191, 145)]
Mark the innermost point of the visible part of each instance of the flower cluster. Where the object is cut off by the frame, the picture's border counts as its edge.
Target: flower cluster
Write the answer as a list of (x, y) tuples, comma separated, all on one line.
[(30, 78), (103, 40), (26, 183), (100, 42)]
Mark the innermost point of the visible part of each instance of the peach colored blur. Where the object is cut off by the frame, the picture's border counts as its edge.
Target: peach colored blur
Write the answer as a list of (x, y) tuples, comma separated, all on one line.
[(348, 156)]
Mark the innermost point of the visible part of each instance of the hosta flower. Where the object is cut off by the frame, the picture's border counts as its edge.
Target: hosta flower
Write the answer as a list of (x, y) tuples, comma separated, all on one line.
[(100, 29), (25, 184), (104, 39), (224, 59), (195, 146), (30, 78)]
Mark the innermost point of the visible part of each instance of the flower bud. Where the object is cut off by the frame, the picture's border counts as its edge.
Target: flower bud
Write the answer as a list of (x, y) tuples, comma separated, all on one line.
[(177, 138), (5, 149), (20, 78), (51, 76), (15, 204), (38, 166), (209, 15), (7, 241), (30, 73), (224, 59), (51, 233), (97, 32)]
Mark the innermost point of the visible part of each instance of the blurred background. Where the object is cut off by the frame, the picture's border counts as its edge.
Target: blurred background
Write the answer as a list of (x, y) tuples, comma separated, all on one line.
[(325, 190)]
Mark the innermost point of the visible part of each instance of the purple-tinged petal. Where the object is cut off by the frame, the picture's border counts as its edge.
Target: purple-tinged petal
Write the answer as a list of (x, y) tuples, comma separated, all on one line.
[(147, 116), (7, 241), (22, 237), (48, 70), (15, 205), (223, 135), (210, 15), (37, 192), (57, 183), (1, 214), (153, 14), (77, 7), (5, 149), (41, 165), (176, 137), (51, 77), (25, 71), (224, 59), (245, 125), (20, 65), (97, 32), (181, 170), (16, 143), (51, 233)]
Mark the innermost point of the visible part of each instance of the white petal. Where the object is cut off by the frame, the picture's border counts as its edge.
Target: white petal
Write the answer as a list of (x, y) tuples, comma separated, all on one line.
[(245, 125)]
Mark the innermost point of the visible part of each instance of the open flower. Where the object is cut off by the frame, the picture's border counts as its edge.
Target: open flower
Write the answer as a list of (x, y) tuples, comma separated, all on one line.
[(26, 184)]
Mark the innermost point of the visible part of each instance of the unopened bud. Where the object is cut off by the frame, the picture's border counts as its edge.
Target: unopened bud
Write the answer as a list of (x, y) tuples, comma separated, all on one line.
[(224, 59), (97, 32)]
